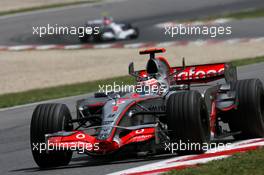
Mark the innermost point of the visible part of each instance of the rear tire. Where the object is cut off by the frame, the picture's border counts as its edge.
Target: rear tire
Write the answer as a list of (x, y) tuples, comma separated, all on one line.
[(84, 39), (97, 38), (136, 34), (46, 119), (188, 120), (249, 116)]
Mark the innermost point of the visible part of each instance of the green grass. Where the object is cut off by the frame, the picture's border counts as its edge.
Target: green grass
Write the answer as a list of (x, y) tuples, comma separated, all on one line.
[(249, 163), (242, 62), (55, 5), (13, 99)]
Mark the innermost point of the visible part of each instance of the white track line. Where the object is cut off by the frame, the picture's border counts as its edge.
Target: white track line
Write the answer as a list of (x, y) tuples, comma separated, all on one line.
[(133, 46), (192, 160), (194, 23), (46, 101)]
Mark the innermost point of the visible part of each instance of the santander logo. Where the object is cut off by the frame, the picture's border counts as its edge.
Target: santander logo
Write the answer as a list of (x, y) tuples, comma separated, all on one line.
[(200, 72)]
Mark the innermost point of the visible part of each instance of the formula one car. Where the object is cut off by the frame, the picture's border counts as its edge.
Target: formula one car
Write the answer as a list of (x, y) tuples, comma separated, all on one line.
[(161, 108), (108, 30)]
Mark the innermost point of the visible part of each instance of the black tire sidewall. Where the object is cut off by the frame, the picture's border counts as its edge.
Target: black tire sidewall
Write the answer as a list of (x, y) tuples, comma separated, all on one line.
[(248, 118), (188, 119), (49, 118)]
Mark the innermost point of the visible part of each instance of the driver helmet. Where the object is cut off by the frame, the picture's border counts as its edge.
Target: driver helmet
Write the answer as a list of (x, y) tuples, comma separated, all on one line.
[(107, 20), (148, 86)]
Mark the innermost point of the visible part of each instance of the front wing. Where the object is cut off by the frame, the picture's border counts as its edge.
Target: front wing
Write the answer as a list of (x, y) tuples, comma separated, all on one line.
[(81, 141)]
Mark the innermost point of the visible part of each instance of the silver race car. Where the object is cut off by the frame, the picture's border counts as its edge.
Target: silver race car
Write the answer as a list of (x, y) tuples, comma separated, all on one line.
[(106, 29), (164, 108)]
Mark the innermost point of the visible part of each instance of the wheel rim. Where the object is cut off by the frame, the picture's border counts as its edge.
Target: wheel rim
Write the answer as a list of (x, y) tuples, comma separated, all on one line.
[(204, 121)]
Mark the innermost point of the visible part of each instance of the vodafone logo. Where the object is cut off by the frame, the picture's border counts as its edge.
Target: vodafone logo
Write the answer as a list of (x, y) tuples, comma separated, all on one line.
[(199, 73), (143, 137), (139, 131), (80, 136)]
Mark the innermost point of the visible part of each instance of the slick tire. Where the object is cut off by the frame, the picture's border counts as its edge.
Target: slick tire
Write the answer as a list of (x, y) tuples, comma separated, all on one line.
[(97, 38), (248, 118), (188, 121), (49, 118), (84, 39), (136, 34)]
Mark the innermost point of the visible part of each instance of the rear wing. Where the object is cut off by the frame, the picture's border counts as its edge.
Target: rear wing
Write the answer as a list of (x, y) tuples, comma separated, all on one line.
[(205, 73), (200, 73)]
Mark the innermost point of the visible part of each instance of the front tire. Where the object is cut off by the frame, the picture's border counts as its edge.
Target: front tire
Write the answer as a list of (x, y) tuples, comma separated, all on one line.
[(84, 39), (46, 119), (188, 120), (248, 118)]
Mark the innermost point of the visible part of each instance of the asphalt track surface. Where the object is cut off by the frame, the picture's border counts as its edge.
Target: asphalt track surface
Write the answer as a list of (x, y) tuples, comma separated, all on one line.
[(15, 151), (17, 29)]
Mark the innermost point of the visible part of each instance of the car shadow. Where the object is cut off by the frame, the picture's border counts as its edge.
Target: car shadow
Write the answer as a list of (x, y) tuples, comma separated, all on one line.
[(82, 162), (86, 161)]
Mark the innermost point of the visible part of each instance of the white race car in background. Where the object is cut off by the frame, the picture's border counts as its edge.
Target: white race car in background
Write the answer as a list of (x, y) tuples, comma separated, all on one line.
[(109, 30)]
